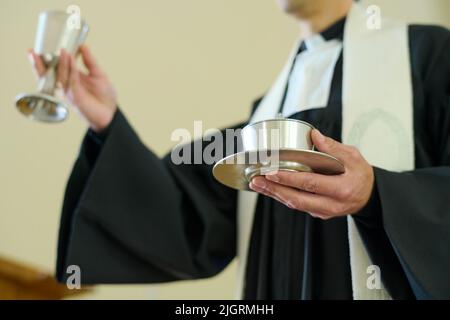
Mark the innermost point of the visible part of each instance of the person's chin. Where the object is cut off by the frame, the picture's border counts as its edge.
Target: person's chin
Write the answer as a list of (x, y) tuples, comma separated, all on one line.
[(293, 10), (294, 14)]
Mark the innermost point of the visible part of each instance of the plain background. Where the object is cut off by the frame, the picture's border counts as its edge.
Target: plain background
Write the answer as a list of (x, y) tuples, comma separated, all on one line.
[(172, 62)]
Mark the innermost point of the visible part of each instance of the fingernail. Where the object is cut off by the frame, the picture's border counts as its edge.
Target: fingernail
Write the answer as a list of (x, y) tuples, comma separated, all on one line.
[(273, 177), (255, 188), (259, 182)]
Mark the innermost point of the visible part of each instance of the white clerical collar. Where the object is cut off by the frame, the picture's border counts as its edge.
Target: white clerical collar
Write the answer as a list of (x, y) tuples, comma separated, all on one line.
[(319, 59), (334, 32), (315, 41), (318, 42), (309, 83)]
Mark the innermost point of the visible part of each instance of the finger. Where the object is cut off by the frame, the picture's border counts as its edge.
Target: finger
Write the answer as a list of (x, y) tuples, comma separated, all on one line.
[(299, 200), (63, 70), (37, 63), (89, 61), (74, 77), (263, 192), (328, 145), (308, 181), (266, 193)]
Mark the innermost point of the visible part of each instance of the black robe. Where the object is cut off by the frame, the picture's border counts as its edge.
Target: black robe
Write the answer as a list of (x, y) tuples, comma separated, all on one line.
[(131, 217)]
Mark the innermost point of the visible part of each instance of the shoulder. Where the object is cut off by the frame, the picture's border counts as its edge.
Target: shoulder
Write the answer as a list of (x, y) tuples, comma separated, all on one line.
[(429, 47), (429, 33)]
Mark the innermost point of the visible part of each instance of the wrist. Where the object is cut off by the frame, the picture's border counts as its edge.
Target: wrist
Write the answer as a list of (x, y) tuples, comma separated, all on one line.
[(104, 120)]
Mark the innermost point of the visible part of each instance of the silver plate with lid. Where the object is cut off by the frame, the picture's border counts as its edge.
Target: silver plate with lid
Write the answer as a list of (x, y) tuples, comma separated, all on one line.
[(270, 145)]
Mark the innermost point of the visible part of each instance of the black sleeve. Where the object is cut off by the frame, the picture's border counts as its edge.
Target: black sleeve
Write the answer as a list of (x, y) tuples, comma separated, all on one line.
[(406, 224), (131, 217), (416, 215), (370, 214)]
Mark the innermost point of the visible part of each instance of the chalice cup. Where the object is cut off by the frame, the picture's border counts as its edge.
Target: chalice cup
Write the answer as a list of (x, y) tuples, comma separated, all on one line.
[(56, 30)]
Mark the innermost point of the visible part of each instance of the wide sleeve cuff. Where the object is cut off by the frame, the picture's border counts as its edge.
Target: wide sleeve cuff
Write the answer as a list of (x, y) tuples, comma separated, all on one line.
[(370, 215)]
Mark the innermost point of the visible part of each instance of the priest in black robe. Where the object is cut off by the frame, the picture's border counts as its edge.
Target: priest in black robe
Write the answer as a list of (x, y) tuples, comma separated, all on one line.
[(131, 217)]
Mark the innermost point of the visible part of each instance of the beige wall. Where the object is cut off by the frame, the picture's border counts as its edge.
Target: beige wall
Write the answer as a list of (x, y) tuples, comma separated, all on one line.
[(172, 62)]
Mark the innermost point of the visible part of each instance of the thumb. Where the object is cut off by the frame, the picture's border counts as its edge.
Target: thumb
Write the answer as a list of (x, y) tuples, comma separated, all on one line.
[(328, 145), (36, 63)]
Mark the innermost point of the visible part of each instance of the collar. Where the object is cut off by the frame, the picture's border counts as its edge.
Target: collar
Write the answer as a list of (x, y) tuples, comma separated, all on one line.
[(333, 32)]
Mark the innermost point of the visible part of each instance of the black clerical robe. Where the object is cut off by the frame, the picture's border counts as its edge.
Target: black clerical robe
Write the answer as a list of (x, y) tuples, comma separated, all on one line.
[(131, 217)]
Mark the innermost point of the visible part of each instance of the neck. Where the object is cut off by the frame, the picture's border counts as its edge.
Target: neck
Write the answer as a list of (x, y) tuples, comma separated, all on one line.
[(319, 19)]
